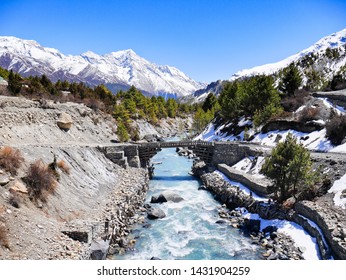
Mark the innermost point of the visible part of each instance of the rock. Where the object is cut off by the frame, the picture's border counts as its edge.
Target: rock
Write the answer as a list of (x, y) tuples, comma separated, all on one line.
[(4, 180), (269, 229), (65, 121), (154, 258), (252, 225), (18, 187), (220, 222), (98, 249), (166, 196), (156, 213), (204, 188), (273, 235)]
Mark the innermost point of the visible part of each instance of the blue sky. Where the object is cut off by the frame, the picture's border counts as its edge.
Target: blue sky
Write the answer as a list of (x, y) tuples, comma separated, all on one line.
[(206, 39)]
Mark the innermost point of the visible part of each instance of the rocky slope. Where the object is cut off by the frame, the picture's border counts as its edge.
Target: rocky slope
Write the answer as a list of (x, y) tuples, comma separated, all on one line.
[(93, 191)]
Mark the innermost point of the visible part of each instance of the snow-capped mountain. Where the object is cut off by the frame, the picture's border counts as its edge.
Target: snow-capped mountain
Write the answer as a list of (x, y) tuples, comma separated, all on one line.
[(118, 70), (317, 64), (336, 40)]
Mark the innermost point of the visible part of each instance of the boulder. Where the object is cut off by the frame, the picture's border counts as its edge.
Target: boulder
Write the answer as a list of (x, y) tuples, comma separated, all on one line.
[(99, 249), (18, 187), (252, 225), (166, 196), (155, 213), (4, 180), (65, 121)]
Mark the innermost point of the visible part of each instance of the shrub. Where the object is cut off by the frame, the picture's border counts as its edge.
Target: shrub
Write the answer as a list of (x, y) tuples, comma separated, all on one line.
[(10, 159), (3, 237), (63, 166), (336, 128), (290, 168), (308, 114), (40, 180)]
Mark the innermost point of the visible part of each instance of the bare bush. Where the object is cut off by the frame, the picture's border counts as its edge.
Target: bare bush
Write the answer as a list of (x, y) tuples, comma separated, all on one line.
[(4, 237), (10, 159), (308, 114), (336, 128), (40, 180)]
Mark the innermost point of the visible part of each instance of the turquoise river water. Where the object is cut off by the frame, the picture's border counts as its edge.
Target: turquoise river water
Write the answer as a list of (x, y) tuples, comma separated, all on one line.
[(189, 231)]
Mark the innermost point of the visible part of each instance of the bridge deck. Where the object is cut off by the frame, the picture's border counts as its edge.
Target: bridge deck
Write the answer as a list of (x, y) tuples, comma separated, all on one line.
[(175, 144)]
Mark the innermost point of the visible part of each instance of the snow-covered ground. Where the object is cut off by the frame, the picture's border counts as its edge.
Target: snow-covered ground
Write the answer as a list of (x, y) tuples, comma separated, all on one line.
[(338, 189), (301, 238)]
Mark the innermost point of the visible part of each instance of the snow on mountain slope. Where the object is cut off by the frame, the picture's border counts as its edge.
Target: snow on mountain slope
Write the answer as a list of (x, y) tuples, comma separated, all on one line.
[(312, 62), (335, 40), (117, 69)]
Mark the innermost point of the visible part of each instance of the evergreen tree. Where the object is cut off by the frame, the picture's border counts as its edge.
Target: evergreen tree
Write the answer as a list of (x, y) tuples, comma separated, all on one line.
[(291, 79), (14, 84), (290, 168), (209, 103), (229, 101), (122, 132)]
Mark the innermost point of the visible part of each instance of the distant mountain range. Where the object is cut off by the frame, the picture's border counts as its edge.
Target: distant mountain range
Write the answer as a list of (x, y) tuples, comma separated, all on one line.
[(318, 64), (117, 70)]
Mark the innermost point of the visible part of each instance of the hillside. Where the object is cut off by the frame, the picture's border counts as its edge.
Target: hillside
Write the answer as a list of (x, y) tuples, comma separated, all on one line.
[(318, 64), (90, 188)]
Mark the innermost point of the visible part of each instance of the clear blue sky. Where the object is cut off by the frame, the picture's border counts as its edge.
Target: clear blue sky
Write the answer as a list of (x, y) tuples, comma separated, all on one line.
[(206, 39)]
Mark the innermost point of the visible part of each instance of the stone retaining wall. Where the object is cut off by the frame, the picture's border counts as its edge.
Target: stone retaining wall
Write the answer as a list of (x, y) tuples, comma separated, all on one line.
[(331, 225), (257, 185)]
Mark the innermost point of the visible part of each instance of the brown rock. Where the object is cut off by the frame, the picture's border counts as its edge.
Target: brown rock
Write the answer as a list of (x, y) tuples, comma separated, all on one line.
[(65, 121), (18, 187)]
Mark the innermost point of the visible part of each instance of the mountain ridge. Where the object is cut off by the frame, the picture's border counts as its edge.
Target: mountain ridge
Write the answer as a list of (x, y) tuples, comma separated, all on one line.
[(118, 70), (315, 64)]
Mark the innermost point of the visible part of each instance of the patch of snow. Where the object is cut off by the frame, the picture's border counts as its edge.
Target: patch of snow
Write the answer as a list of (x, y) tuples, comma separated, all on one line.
[(246, 165), (328, 104), (338, 187), (300, 237)]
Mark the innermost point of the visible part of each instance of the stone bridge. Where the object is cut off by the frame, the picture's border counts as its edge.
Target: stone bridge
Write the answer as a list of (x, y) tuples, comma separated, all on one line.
[(140, 154)]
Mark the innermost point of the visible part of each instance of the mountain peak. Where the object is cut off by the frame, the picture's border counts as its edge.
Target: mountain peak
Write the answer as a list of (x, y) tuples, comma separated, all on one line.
[(119, 70)]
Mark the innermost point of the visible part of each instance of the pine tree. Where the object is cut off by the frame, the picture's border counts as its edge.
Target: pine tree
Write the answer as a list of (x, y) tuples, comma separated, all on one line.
[(122, 132), (291, 79), (14, 84), (290, 168)]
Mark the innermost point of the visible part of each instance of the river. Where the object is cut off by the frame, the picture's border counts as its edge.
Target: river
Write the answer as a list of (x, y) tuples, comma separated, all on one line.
[(189, 231)]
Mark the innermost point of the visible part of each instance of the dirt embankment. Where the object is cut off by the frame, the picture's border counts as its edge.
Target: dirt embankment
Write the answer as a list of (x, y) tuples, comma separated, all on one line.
[(94, 189)]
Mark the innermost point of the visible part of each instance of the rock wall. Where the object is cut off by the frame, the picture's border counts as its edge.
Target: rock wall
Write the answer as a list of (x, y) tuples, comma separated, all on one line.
[(333, 228), (124, 155), (230, 152), (257, 185)]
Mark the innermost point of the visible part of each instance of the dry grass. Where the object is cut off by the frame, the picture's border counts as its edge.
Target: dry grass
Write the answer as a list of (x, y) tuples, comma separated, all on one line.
[(41, 181), (10, 159), (4, 237), (63, 166)]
